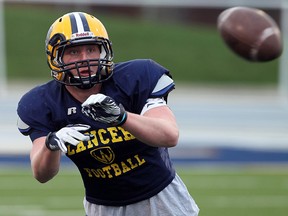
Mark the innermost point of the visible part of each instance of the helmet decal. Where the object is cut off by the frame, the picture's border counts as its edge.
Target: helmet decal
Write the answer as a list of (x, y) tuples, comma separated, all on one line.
[(79, 23)]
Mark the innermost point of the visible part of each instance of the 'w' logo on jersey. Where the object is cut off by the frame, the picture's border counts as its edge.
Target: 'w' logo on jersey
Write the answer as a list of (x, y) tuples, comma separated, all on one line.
[(103, 154), (71, 110)]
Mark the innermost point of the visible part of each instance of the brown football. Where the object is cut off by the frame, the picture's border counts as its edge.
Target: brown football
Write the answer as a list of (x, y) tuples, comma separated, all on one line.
[(251, 33)]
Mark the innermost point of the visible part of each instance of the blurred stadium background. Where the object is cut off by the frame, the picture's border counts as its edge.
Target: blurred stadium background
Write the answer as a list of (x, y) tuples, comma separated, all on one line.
[(232, 114)]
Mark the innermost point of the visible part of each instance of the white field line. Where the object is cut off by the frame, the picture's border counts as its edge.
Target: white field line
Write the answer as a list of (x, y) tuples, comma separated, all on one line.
[(23, 210), (36, 210), (51, 200)]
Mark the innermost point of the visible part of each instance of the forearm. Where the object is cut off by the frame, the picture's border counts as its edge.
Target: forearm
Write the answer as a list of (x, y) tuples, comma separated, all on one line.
[(153, 130), (45, 163), (156, 126)]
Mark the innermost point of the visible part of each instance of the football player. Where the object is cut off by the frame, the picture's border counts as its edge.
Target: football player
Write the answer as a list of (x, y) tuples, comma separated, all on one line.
[(110, 119)]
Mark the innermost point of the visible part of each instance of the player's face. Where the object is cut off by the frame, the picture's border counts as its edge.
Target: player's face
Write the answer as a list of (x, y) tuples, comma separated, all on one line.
[(82, 53)]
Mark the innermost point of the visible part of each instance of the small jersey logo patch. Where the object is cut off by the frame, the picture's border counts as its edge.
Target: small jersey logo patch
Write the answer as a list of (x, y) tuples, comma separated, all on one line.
[(71, 110)]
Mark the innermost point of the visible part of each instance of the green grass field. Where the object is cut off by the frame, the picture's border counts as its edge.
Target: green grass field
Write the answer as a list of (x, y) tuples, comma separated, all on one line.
[(219, 191)]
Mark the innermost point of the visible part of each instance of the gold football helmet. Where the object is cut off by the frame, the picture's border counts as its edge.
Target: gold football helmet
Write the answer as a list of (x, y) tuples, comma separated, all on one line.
[(72, 29)]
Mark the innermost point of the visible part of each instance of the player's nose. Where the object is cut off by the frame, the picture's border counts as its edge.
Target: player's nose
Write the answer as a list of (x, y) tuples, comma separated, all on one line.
[(83, 55)]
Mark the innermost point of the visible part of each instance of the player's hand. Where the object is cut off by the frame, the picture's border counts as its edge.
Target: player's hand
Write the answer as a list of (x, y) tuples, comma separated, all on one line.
[(104, 109), (70, 134)]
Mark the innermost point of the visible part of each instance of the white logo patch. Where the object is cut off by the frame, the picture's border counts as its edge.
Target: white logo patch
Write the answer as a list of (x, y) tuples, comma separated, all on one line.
[(71, 110), (82, 35)]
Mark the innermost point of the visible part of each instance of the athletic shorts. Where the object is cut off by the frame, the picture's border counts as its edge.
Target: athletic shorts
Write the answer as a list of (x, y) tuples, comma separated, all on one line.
[(174, 200)]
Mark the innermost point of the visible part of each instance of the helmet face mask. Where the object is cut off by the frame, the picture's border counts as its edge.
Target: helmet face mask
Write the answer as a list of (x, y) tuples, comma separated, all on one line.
[(66, 32)]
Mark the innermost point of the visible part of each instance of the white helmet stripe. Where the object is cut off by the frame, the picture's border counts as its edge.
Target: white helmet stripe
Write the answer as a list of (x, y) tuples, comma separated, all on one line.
[(79, 23)]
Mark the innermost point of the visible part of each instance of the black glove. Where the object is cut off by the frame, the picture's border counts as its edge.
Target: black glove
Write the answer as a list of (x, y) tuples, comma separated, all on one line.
[(104, 109), (69, 134)]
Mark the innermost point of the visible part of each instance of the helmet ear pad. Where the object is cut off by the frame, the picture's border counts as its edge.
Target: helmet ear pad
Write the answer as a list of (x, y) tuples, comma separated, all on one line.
[(55, 53), (54, 41)]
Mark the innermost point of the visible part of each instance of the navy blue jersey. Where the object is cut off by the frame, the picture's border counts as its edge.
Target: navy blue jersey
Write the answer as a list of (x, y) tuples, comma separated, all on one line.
[(117, 169)]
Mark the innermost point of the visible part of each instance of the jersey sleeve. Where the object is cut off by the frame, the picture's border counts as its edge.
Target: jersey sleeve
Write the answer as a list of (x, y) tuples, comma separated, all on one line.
[(138, 80), (164, 85), (30, 122), (34, 116)]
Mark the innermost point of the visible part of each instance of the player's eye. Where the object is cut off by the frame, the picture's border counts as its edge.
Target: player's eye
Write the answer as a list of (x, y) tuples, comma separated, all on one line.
[(90, 50), (93, 49), (73, 52)]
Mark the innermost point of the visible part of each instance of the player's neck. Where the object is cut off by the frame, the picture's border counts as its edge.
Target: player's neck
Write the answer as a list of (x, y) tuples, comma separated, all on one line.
[(82, 94)]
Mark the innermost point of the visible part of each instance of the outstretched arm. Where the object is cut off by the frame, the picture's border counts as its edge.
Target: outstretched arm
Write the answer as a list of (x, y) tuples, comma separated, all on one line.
[(156, 126)]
